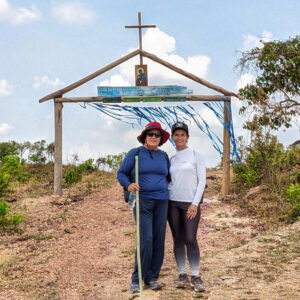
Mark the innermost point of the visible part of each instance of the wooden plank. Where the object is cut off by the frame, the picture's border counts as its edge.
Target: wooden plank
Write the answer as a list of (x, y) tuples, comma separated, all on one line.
[(112, 99), (226, 151), (189, 75), (100, 99), (174, 99), (112, 91), (152, 99), (131, 99), (78, 83), (140, 38), (142, 26), (58, 149)]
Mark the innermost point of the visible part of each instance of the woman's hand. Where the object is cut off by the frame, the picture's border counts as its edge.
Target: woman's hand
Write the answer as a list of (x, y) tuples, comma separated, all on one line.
[(192, 211), (133, 187)]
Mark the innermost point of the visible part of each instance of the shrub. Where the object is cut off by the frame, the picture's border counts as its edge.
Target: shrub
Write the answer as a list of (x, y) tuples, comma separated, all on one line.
[(73, 175), (88, 166), (8, 148), (267, 162), (110, 162), (293, 197), (9, 222), (11, 169)]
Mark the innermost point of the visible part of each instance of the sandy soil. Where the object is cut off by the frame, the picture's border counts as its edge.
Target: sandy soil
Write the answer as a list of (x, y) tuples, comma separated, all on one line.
[(84, 249)]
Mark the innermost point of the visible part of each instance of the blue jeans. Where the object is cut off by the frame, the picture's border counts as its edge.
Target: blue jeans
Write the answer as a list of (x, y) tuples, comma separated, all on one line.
[(153, 218)]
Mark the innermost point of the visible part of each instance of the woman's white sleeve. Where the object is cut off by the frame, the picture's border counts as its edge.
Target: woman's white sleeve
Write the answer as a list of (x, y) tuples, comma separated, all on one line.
[(201, 174)]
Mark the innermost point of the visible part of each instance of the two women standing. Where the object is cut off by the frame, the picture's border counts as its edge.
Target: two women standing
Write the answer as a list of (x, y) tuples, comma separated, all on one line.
[(184, 192)]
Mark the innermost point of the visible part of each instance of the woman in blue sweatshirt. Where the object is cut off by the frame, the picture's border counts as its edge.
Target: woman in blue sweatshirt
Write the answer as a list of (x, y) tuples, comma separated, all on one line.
[(153, 190)]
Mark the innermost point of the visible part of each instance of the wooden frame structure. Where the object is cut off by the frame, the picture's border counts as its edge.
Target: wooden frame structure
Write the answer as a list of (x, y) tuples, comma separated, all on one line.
[(58, 101)]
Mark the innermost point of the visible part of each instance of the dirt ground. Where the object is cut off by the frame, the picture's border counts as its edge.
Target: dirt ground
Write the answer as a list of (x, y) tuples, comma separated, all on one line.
[(84, 249)]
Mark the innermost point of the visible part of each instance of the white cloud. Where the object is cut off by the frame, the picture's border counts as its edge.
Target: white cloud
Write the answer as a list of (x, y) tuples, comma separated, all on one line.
[(18, 15), (5, 128), (244, 80), (115, 80), (5, 88), (251, 41), (159, 43), (46, 82), (73, 12)]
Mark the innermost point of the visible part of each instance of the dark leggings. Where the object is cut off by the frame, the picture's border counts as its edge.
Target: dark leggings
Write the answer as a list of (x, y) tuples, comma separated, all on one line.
[(184, 233)]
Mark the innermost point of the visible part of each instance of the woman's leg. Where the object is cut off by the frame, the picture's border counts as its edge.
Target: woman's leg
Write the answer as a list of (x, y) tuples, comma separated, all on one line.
[(176, 222), (160, 211), (193, 253), (146, 238)]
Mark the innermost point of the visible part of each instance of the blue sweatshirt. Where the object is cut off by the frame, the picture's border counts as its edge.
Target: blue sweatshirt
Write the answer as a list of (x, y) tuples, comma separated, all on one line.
[(153, 171)]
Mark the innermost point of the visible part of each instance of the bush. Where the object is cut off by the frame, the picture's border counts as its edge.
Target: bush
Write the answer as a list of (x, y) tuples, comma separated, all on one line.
[(9, 222), (267, 162), (88, 166), (11, 169), (293, 197), (73, 175), (110, 162), (8, 148)]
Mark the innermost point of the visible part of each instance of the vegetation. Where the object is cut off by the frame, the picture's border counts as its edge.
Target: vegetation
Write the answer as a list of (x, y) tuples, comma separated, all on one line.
[(11, 169), (273, 99), (273, 103), (9, 222)]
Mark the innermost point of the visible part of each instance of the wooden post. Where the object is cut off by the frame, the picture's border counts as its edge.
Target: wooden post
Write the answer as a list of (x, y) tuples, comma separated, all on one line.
[(58, 148), (140, 38), (226, 150)]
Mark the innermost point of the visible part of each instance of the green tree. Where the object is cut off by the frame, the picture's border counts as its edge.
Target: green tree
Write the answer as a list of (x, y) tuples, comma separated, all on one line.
[(50, 151), (273, 99), (37, 152), (22, 148), (10, 170), (8, 148)]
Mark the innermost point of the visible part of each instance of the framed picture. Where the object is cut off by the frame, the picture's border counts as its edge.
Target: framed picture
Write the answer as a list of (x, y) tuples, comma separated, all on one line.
[(141, 75)]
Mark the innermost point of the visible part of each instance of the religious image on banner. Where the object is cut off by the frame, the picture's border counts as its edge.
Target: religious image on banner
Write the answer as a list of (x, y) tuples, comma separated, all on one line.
[(141, 75)]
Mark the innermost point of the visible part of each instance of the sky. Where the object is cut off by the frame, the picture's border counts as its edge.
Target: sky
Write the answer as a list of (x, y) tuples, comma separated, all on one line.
[(47, 45)]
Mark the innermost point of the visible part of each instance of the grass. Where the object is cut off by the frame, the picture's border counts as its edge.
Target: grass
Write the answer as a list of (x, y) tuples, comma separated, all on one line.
[(40, 183), (37, 236), (129, 251), (128, 233), (7, 263)]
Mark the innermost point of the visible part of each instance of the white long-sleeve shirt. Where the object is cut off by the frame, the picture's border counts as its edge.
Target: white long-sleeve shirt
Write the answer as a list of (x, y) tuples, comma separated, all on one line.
[(188, 176)]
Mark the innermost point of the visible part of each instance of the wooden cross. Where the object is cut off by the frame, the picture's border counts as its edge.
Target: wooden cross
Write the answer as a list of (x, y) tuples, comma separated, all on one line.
[(140, 26)]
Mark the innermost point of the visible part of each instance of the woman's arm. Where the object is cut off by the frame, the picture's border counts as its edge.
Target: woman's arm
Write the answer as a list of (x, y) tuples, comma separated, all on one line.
[(201, 174), (126, 168)]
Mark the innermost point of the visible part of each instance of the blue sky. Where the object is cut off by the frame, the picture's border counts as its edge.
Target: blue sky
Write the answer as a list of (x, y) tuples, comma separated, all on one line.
[(46, 45)]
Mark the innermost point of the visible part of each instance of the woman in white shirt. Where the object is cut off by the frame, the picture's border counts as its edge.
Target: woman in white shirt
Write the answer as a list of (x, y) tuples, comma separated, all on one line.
[(188, 180)]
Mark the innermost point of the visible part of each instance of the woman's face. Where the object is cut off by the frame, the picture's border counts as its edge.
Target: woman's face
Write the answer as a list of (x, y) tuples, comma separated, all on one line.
[(180, 138), (152, 139)]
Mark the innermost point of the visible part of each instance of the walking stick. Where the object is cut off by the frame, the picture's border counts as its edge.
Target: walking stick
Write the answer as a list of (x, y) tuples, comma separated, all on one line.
[(138, 248)]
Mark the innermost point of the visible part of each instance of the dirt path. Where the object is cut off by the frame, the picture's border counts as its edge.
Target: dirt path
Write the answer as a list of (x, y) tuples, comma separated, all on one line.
[(85, 250)]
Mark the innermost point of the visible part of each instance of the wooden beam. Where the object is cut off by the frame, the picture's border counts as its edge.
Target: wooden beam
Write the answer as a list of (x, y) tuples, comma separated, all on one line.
[(78, 83), (58, 149), (140, 38), (226, 150), (189, 75), (100, 99)]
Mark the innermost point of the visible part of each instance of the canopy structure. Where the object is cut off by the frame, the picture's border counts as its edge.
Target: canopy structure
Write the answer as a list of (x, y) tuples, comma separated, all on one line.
[(58, 100)]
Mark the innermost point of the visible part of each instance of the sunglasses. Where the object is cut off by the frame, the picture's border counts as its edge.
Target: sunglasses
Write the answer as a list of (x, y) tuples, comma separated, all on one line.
[(152, 134)]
